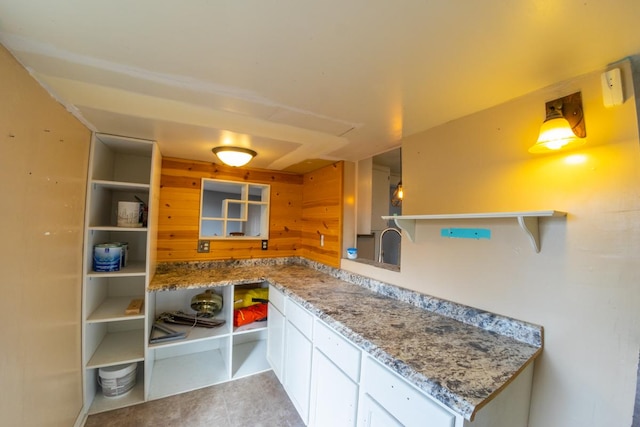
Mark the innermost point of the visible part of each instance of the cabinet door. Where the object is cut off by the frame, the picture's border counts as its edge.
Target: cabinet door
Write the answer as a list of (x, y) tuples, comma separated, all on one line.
[(335, 395), (297, 372), (402, 400), (275, 341), (374, 415)]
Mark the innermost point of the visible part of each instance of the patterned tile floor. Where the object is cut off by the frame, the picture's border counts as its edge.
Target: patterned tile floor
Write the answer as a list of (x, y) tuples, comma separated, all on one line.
[(256, 401)]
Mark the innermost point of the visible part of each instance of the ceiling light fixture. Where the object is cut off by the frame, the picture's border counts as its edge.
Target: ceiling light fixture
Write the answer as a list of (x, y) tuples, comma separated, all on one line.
[(234, 156), (563, 127)]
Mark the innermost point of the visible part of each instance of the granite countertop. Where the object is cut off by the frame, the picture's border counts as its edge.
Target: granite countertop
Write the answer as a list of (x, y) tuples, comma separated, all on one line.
[(458, 355)]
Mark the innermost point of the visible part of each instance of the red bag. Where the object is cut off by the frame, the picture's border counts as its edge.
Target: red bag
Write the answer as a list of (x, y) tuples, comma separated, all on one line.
[(246, 315)]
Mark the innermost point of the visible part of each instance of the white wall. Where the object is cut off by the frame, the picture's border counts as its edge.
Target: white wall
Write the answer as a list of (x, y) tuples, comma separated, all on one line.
[(364, 187), (43, 170), (584, 285)]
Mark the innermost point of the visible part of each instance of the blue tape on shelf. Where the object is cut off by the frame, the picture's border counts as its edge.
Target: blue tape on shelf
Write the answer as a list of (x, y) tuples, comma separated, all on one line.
[(466, 233)]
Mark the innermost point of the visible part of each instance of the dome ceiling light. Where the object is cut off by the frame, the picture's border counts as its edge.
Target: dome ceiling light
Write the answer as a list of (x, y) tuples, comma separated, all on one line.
[(234, 156)]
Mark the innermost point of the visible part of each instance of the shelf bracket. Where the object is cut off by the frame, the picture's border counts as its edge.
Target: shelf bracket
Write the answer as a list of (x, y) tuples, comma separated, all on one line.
[(408, 226), (530, 225)]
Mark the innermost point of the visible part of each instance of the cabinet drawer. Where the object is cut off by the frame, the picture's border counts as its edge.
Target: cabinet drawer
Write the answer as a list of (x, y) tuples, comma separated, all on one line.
[(402, 400), (338, 350), (276, 298), (299, 317)]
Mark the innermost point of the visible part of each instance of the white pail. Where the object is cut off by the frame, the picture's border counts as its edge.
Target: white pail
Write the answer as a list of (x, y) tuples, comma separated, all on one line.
[(117, 381), (129, 214), (107, 257)]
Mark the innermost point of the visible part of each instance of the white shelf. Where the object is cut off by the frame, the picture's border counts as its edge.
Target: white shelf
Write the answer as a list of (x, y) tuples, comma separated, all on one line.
[(118, 348), (134, 268), (188, 372), (120, 186), (113, 309), (231, 207), (251, 327), (194, 334), (134, 397), (116, 228), (250, 358), (528, 221)]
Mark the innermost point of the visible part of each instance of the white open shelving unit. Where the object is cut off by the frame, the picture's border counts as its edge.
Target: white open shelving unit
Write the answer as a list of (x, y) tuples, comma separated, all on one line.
[(120, 169), (205, 356), (234, 210), (128, 169), (529, 221)]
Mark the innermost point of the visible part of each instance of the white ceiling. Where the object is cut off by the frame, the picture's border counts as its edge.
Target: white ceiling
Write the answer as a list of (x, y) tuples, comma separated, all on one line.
[(301, 80)]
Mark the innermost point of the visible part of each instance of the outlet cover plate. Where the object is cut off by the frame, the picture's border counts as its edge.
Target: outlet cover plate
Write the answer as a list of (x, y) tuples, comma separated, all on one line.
[(203, 246)]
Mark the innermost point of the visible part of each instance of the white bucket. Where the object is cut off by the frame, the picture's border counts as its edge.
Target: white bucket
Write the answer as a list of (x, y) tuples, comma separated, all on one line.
[(129, 214), (117, 381)]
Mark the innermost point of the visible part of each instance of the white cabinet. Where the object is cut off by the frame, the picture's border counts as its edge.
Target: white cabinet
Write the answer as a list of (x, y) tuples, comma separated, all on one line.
[(206, 356), (275, 341), (334, 396), (298, 356), (275, 333), (236, 210), (374, 415), (399, 399), (120, 169), (334, 383)]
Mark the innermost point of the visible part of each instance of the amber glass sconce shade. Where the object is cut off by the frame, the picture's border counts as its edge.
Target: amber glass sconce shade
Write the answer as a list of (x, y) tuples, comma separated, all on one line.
[(563, 127)]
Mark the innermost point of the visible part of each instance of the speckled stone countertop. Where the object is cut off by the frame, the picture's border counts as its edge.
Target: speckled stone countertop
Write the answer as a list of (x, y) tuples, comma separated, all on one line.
[(458, 355)]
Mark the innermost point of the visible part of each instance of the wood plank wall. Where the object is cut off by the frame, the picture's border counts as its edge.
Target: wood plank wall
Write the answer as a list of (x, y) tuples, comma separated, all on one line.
[(302, 208), (179, 212), (322, 207)]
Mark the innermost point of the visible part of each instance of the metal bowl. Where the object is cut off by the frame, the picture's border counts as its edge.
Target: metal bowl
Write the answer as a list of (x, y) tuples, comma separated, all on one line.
[(207, 302)]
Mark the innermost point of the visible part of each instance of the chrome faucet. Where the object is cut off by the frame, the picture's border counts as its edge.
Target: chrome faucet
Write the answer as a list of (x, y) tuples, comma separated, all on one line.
[(382, 233)]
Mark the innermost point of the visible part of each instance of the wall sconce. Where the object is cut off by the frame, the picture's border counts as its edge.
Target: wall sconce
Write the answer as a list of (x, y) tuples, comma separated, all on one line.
[(563, 127), (234, 156), (398, 195)]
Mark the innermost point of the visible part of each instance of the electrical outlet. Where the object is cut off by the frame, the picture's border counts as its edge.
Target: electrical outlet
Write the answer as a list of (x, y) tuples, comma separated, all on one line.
[(203, 246), (265, 245)]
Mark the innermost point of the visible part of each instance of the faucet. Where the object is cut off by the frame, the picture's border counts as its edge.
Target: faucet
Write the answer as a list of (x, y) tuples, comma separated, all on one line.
[(382, 233)]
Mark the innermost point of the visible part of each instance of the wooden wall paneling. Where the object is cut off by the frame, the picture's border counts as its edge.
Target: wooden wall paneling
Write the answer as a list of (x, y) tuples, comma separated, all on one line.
[(180, 208), (322, 214)]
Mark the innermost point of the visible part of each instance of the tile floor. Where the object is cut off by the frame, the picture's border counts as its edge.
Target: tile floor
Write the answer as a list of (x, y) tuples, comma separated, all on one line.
[(255, 401)]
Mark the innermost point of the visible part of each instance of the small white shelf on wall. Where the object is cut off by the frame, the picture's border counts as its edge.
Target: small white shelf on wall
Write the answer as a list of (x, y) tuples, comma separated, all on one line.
[(528, 221)]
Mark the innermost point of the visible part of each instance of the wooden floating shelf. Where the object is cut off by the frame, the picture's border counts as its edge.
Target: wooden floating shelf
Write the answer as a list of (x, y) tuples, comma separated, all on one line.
[(528, 221)]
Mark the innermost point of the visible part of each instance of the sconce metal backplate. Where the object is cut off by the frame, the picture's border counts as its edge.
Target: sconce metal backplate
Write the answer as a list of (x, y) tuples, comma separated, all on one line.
[(571, 107)]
